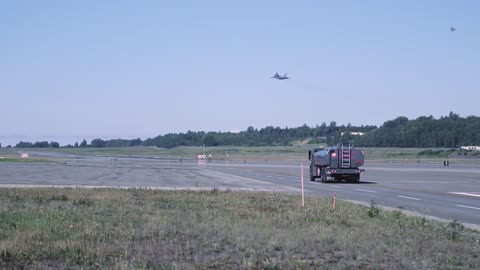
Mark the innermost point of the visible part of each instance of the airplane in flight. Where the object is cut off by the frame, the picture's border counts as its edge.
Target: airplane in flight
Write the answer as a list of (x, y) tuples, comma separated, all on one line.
[(279, 77), (453, 29)]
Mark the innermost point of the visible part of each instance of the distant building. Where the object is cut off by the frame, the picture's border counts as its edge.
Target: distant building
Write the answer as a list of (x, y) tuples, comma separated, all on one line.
[(470, 148), (354, 133)]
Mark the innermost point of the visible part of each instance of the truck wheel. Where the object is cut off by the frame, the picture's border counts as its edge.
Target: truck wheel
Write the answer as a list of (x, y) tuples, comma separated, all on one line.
[(312, 178), (323, 176)]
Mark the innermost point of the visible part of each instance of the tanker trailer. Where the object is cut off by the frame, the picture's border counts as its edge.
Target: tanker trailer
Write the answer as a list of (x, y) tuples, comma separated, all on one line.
[(336, 163)]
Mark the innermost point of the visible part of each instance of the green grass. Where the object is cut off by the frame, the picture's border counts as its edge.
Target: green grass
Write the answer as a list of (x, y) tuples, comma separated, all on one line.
[(23, 160), (270, 153), (392, 153), (124, 229), (436, 154), (218, 152)]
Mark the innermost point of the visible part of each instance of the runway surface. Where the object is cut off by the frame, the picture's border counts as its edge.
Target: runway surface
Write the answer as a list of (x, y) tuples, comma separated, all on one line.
[(429, 189)]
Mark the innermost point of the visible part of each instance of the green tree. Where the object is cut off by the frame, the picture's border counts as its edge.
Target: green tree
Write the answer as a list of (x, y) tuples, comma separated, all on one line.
[(135, 142), (210, 140), (83, 143), (97, 143), (54, 145), (22, 144), (42, 144)]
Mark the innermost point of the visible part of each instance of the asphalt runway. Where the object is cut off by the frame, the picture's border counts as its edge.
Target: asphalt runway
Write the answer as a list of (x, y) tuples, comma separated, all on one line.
[(428, 189), (127, 172)]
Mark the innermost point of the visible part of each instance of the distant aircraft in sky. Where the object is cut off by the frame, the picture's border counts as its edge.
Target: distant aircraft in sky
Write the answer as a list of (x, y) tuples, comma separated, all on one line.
[(278, 77), (453, 29)]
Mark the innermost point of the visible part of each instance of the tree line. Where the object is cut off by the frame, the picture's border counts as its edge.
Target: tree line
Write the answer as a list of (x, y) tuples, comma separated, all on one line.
[(448, 131), (42, 144)]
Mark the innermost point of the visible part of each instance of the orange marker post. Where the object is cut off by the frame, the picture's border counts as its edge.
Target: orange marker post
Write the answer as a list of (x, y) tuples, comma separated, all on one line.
[(334, 200)]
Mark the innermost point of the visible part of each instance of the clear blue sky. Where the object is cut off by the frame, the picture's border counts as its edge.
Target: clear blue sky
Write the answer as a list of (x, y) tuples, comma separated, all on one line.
[(126, 69)]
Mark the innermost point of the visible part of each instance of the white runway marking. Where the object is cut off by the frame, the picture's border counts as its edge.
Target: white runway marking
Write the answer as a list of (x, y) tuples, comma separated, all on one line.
[(269, 176), (281, 178), (410, 198), (365, 190), (337, 187), (469, 207), (425, 181), (466, 194)]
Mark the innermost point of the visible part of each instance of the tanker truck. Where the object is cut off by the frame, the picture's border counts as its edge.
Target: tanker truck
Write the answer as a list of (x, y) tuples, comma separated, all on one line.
[(336, 163)]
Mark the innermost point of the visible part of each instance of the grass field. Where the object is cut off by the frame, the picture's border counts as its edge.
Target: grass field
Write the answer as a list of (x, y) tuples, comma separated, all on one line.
[(124, 229), (22, 160), (271, 153)]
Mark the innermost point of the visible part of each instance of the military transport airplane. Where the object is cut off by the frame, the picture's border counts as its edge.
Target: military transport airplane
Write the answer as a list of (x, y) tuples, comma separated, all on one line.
[(278, 77)]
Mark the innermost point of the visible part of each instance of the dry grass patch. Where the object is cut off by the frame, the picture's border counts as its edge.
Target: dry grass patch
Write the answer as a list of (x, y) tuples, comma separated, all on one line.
[(101, 228)]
